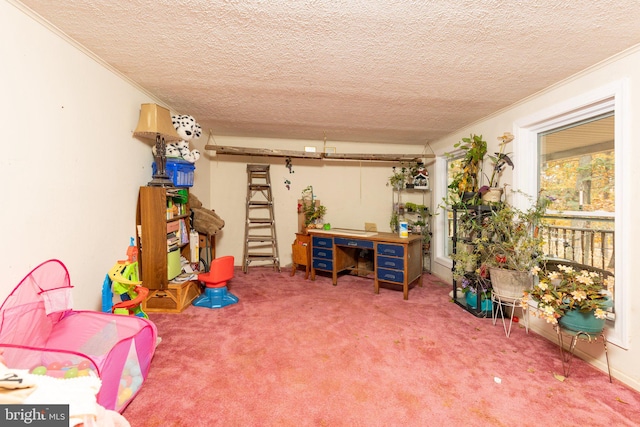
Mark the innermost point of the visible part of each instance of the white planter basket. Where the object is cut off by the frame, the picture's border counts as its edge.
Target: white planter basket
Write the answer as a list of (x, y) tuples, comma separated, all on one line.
[(510, 283), (493, 195)]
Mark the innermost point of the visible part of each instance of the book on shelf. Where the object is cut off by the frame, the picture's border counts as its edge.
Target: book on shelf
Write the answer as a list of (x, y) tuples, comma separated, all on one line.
[(173, 242), (175, 209), (173, 226), (183, 233)]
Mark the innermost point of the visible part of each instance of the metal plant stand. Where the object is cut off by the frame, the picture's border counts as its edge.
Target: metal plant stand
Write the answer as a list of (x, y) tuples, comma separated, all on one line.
[(567, 355)]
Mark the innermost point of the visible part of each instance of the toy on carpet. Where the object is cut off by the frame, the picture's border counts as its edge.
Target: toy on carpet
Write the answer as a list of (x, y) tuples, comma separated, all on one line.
[(122, 292), (41, 333), (65, 369), (205, 221), (216, 293), (127, 293), (131, 380)]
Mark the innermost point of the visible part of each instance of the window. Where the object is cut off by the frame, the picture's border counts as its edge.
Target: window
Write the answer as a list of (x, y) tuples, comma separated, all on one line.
[(578, 151), (454, 167), (577, 169)]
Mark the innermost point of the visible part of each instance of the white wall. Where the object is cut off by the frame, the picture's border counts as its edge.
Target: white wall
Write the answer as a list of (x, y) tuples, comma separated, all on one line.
[(354, 192), (70, 167), (624, 67)]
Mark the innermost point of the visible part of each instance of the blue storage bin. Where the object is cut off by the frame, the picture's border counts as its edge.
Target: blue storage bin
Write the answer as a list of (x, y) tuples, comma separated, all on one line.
[(179, 171)]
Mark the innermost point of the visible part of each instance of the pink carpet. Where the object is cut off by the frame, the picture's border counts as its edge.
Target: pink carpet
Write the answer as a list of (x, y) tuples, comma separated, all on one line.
[(300, 353)]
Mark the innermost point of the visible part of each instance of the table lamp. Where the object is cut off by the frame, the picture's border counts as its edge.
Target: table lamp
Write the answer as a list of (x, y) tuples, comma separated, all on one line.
[(155, 122)]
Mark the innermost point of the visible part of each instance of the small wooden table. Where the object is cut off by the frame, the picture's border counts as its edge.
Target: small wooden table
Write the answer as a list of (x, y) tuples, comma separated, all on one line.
[(300, 253)]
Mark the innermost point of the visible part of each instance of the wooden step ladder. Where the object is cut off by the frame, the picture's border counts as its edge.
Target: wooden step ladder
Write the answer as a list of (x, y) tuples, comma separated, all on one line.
[(260, 241)]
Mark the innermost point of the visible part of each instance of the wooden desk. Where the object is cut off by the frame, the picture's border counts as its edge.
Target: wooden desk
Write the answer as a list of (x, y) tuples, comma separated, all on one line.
[(396, 260)]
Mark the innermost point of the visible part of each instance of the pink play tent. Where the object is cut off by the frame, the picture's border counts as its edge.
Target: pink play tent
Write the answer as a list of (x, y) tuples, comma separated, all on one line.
[(40, 330)]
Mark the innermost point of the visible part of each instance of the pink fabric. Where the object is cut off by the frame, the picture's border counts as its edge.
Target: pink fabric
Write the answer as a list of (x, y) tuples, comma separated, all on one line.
[(38, 327)]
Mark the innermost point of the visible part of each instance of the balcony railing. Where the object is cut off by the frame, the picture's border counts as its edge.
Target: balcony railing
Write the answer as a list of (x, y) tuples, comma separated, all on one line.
[(583, 238)]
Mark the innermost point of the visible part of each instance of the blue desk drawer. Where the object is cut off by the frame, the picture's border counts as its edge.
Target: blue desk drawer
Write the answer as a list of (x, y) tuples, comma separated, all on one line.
[(323, 264), (354, 243), (391, 250), (324, 242), (390, 275), (393, 263), (323, 253)]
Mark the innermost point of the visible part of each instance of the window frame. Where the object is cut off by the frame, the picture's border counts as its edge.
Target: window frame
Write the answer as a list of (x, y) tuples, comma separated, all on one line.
[(440, 232), (608, 98)]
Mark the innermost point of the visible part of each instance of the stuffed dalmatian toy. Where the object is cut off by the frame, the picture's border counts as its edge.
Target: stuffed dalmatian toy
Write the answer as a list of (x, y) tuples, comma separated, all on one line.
[(188, 129)]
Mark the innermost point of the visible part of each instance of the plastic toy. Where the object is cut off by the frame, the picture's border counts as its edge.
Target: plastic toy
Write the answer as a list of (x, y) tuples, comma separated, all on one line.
[(66, 369), (216, 294), (132, 251), (40, 330), (122, 292)]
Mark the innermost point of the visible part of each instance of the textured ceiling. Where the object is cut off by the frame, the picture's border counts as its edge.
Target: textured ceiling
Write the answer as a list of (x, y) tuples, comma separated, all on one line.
[(405, 71)]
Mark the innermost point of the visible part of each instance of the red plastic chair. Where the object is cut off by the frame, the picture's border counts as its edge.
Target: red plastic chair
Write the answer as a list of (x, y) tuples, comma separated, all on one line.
[(216, 294)]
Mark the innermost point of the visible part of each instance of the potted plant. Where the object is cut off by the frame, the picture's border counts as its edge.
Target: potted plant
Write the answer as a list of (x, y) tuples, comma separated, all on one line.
[(400, 177), (465, 183), (472, 276), (313, 211), (511, 245), (466, 260), (417, 226), (577, 299), (469, 270), (510, 237), (394, 222), (491, 193), (472, 292), (411, 207)]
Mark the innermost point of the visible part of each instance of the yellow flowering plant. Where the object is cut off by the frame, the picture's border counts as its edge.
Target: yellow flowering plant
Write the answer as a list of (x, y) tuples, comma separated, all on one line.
[(558, 292)]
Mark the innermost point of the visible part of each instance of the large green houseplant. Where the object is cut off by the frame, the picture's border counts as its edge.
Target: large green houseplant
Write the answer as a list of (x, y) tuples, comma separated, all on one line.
[(469, 270), (509, 242), (511, 237), (466, 181)]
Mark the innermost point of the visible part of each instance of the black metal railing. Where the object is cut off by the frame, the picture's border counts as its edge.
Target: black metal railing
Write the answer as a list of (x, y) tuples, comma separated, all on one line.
[(586, 239), (582, 238)]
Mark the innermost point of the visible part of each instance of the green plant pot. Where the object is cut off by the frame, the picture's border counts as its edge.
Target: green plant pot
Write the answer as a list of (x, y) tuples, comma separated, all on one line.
[(582, 321), (472, 302)]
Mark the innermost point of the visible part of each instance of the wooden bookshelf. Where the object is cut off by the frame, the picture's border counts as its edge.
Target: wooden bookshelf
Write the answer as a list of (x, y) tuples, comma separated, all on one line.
[(153, 220)]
